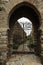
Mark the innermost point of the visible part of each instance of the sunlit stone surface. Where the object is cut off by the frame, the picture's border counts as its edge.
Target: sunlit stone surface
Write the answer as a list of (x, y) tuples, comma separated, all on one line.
[(24, 60)]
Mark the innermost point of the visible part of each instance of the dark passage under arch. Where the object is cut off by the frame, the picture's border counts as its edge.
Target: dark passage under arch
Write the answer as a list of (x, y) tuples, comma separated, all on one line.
[(29, 11)]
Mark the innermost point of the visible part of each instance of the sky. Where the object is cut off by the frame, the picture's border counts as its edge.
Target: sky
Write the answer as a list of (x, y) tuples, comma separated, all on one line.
[(26, 24)]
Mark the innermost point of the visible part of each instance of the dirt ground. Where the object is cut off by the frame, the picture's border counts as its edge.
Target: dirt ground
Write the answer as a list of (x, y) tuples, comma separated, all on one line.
[(30, 59)]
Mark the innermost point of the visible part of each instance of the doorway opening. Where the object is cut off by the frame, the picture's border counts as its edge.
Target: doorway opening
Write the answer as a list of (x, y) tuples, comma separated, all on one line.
[(22, 34), (28, 11)]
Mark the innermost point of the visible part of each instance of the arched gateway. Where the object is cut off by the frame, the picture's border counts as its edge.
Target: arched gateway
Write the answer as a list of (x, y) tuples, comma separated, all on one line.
[(29, 11)]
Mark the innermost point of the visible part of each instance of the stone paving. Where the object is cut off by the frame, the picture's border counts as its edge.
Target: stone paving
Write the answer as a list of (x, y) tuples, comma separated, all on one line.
[(24, 60)]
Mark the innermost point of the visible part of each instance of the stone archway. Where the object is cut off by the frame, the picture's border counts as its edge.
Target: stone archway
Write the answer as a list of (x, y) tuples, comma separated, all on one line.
[(27, 10)]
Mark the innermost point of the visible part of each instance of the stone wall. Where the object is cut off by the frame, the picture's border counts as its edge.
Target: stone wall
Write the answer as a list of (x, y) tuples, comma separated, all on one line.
[(4, 22)]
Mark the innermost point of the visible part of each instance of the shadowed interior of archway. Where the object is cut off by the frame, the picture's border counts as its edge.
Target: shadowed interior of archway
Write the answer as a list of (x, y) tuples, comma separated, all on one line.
[(29, 12), (24, 11)]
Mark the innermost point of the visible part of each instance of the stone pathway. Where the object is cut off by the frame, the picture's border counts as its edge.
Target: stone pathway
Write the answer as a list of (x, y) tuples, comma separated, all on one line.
[(24, 60)]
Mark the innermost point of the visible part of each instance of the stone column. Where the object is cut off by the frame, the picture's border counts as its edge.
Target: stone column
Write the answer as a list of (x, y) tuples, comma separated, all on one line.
[(10, 42), (41, 38), (3, 46)]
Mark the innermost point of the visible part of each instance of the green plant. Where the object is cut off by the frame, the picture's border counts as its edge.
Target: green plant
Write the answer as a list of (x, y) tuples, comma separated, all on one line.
[(17, 42), (30, 42)]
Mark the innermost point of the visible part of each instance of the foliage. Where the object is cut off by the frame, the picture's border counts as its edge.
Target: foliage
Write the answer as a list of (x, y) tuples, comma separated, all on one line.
[(31, 44), (17, 42)]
